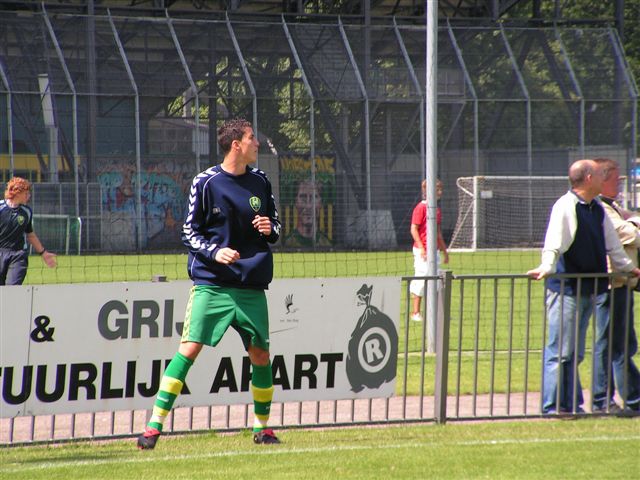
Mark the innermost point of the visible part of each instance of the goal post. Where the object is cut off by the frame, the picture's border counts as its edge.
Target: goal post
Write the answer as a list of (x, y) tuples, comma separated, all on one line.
[(506, 212), (59, 233)]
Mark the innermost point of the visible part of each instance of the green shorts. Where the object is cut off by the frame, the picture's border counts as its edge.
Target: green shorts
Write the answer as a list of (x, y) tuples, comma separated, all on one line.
[(211, 310)]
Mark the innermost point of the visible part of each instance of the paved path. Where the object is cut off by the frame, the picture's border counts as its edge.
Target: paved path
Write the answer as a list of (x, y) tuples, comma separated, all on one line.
[(305, 414)]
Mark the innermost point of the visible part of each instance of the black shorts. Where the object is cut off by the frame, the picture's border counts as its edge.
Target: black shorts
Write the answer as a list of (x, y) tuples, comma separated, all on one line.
[(13, 266)]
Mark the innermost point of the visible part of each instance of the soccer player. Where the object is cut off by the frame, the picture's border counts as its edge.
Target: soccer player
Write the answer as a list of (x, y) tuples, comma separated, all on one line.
[(418, 231), (231, 221), (16, 231)]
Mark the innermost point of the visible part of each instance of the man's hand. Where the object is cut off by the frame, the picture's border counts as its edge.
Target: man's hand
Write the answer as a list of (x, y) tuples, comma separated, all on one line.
[(262, 224), (227, 255), (537, 273), (635, 272)]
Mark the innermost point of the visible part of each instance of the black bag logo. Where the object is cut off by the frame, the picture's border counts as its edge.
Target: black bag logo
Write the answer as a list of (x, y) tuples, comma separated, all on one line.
[(373, 347)]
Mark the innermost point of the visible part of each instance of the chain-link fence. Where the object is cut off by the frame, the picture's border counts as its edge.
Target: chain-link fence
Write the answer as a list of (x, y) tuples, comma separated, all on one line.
[(131, 104)]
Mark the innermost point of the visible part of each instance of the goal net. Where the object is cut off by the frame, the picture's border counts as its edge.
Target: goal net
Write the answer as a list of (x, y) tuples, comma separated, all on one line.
[(505, 211), (59, 233)]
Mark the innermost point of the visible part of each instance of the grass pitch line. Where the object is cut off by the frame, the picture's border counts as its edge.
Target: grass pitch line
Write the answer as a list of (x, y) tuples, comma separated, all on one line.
[(145, 457)]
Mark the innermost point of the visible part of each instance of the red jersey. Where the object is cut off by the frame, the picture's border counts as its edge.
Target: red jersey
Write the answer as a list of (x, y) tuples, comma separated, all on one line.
[(419, 217)]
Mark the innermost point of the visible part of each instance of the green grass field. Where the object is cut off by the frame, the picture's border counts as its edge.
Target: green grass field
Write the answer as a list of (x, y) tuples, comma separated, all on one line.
[(549, 449), (488, 313), (116, 268), (132, 268)]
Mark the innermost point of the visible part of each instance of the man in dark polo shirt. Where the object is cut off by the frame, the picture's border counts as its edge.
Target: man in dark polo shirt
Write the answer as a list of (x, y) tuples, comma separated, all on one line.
[(579, 238)]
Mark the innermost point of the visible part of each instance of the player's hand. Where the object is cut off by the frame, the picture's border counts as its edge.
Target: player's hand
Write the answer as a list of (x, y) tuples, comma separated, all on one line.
[(227, 255), (445, 257), (49, 258), (262, 224), (423, 253)]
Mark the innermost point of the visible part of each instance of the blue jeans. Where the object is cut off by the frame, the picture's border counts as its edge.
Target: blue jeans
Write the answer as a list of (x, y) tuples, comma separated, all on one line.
[(560, 355), (629, 391)]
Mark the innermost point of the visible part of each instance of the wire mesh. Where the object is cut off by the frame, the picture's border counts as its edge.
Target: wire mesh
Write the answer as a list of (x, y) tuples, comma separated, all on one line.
[(339, 110)]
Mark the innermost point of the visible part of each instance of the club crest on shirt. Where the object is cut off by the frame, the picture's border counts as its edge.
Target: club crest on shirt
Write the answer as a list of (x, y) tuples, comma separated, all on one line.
[(255, 203), (20, 219)]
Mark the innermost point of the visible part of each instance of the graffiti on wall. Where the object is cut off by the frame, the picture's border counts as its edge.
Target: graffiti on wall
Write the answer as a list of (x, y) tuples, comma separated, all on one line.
[(164, 187)]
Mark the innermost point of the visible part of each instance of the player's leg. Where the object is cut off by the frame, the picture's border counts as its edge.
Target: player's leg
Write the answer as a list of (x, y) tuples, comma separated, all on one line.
[(252, 322), (17, 268), (262, 391), (416, 287), (5, 258), (209, 313), (170, 387)]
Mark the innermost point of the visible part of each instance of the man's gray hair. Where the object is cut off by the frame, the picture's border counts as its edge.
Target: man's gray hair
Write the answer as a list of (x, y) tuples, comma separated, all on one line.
[(607, 165)]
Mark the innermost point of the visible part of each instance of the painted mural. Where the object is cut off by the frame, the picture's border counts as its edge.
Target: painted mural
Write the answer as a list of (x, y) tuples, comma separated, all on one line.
[(164, 187), (303, 200)]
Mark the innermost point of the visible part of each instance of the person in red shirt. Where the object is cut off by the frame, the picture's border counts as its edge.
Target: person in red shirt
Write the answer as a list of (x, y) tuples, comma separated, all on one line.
[(419, 234)]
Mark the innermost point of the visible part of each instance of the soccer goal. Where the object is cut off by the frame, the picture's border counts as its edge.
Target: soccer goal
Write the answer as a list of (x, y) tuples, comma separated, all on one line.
[(59, 233), (505, 211)]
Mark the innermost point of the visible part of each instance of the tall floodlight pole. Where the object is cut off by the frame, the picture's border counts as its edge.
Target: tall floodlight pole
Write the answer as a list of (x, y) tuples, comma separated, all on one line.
[(431, 162)]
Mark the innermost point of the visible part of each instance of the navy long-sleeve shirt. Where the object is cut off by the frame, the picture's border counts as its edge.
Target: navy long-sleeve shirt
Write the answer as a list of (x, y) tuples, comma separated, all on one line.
[(222, 207)]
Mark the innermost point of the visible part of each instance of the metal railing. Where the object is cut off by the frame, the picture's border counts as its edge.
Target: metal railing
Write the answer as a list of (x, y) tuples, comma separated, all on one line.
[(488, 365)]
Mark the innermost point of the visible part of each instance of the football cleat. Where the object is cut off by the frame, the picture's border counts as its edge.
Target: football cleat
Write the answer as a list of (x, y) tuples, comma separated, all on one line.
[(265, 437), (147, 441)]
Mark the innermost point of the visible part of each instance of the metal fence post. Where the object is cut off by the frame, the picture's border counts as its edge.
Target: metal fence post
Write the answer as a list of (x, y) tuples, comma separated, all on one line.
[(442, 352)]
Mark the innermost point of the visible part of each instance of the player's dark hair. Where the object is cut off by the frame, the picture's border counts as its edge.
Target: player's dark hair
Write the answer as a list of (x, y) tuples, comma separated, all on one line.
[(231, 130)]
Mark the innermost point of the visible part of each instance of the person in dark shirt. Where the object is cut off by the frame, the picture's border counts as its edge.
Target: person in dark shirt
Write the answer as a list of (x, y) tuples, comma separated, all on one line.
[(16, 234), (579, 238), (231, 221)]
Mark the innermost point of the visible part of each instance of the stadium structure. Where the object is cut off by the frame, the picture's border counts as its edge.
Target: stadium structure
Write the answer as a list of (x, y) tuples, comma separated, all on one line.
[(110, 107)]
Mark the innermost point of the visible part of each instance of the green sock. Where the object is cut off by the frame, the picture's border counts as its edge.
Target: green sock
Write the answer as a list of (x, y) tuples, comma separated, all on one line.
[(262, 390), (170, 388)]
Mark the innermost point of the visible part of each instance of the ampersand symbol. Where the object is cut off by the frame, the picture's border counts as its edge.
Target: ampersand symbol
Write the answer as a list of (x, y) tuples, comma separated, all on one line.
[(41, 333)]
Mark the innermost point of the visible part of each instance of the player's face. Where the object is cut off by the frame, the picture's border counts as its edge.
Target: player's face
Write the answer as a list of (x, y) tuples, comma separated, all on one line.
[(249, 146), (22, 198)]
